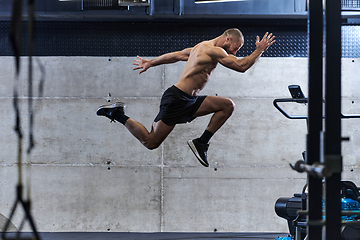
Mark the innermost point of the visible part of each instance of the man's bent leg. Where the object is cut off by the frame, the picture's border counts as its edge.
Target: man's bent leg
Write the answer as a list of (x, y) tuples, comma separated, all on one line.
[(220, 106), (222, 109), (152, 139)]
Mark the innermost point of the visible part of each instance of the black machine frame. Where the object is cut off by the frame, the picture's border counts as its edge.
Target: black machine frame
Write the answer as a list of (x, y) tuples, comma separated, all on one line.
[(296, 208)]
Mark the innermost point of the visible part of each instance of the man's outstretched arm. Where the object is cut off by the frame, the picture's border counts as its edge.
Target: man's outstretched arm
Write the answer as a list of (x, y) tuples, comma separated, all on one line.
[(167, 58), (243, 64)]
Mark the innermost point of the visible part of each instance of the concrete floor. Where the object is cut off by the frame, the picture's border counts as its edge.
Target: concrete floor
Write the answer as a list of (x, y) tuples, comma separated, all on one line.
[(149, 236)]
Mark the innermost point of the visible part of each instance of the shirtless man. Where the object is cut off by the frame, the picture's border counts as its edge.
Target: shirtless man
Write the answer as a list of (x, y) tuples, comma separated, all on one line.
[(181, 103)]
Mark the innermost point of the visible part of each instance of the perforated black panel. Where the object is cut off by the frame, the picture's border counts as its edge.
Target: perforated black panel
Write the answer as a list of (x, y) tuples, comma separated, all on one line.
[(122, 38), (350, 3), (350, 38)]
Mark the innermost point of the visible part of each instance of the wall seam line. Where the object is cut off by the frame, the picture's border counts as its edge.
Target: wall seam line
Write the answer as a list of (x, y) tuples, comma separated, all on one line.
[(162, 166)]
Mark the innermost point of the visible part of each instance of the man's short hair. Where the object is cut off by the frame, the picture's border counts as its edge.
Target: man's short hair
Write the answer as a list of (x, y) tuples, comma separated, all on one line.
[(235, 34)]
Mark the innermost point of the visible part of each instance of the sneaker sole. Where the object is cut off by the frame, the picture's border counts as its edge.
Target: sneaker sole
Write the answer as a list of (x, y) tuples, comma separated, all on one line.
[(193, 149), (114, 105)]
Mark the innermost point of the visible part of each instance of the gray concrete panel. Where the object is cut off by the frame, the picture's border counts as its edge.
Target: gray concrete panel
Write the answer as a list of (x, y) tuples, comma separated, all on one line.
[(7, 76), (7, 134), (68, 131), (349, 79), (95, 140), (83, 77), (8, 193), (85, 198), (228, 200), (351, 172)]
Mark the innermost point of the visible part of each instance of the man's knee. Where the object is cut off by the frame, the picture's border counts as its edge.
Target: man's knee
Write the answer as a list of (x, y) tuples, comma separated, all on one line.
[(151, 145), (158, 134), (230, 106)]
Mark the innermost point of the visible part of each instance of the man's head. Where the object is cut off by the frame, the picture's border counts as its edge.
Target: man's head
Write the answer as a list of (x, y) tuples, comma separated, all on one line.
[(233, 40)]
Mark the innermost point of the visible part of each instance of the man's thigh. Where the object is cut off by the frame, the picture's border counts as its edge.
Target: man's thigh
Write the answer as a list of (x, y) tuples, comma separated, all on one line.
[(212, 104), (159, 132)]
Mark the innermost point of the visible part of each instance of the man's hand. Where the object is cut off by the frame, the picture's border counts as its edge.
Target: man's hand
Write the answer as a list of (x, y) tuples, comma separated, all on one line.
[(265, 42), (142, 63)]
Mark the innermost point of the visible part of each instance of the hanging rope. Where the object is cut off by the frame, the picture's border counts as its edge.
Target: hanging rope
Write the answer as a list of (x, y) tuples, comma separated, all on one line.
[(30, 32), (15, 38)]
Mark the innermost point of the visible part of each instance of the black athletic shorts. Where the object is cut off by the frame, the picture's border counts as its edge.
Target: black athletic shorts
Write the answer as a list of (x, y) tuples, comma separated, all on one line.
[(178, 107)]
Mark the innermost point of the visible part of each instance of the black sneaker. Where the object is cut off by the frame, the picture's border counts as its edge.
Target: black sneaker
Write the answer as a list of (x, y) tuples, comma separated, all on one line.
[(199, 149), (110, 111)]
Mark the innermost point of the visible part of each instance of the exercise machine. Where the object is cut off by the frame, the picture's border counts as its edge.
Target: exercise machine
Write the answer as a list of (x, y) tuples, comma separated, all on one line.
[(294, 209)]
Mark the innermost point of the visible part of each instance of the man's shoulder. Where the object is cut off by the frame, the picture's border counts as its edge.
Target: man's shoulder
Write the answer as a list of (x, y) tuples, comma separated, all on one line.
[(209, 47), (206, 44)]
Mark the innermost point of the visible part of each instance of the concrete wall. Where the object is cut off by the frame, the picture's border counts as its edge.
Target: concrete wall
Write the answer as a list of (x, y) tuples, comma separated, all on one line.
[(86, 174)]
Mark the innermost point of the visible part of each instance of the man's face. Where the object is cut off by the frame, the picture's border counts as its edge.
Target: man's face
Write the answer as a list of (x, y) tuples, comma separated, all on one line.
[(231, 47)]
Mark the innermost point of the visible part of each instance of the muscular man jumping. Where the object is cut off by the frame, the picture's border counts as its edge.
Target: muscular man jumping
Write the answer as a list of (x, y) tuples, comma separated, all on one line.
[(181, 103)]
